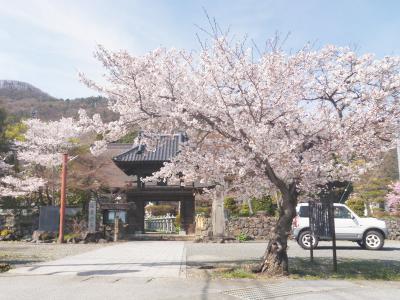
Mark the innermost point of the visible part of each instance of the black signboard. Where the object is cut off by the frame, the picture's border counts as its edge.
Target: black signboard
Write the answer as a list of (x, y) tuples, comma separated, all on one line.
[(319, 220), (322, 225), (49, 218)]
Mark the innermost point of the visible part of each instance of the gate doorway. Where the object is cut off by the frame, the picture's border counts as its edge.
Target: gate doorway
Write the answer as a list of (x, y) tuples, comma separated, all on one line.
[(140, 163), (184, 198)]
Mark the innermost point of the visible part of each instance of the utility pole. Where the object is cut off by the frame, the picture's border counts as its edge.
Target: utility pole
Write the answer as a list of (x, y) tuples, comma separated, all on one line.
[(63, 197), (398, 153)]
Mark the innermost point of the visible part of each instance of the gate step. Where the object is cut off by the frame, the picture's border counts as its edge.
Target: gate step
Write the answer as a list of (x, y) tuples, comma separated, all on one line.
[(159, 237)]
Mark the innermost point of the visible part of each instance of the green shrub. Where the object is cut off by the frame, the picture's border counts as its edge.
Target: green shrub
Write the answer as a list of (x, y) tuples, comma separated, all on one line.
[(4, 267), (71, 236), (231, 206), (265, 203), (244, 210), (206, 211), (161, 210), (356, 205), (177, 221), (242, 237), (381, 214), (6, 232)]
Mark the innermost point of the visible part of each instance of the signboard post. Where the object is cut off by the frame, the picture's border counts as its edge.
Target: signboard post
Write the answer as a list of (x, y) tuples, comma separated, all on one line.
[(322, 225), (333, 234), (92, 215)]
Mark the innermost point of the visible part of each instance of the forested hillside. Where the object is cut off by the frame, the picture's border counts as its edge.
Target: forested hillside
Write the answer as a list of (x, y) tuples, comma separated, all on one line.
[(21, 99)]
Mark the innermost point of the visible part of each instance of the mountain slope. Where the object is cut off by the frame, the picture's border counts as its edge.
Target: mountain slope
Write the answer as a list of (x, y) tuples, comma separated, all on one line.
[(24, 100), (18, 90)]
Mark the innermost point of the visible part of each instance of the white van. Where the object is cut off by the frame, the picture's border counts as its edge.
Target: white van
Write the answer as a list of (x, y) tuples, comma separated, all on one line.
[(369, 233)]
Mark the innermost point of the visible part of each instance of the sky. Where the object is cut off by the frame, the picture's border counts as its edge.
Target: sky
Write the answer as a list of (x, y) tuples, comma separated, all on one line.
[(46, 43)]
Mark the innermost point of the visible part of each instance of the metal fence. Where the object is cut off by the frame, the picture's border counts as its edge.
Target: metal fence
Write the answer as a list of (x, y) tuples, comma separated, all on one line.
[(165, 224)]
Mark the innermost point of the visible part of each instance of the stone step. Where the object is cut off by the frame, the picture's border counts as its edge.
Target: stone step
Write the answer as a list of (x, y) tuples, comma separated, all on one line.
[(159, 237)]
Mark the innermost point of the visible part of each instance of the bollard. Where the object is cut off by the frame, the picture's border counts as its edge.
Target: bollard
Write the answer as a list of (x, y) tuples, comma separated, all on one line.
[(116, 229)]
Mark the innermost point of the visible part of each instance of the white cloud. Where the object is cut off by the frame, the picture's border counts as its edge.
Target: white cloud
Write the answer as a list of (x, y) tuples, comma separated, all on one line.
[(73, 20), (65, 36)]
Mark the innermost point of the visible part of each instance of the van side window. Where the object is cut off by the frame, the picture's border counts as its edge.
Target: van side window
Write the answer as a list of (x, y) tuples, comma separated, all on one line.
[(303, 212), (342, 212)]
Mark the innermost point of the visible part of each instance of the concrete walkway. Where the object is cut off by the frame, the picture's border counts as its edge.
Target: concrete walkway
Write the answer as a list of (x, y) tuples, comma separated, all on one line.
[(130, 259)]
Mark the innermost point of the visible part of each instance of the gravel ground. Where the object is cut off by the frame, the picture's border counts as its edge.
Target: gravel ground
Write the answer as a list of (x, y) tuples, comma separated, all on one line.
[(23, 253)]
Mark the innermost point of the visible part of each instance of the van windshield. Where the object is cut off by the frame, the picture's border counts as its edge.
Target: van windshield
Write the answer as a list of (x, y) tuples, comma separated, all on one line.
[(303, 212)]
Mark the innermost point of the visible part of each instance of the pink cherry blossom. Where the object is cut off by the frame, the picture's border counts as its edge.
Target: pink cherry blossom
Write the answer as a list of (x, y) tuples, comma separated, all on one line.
[(393, 198), (44, 142)]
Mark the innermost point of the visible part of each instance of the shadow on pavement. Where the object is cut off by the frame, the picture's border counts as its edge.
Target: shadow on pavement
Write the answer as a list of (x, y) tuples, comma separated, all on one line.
[(354, 248), (105, 272)]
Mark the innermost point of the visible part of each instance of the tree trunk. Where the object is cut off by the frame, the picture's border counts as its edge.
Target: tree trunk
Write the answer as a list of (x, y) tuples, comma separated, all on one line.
[(368, 207), (41, 202), (275, 260), (48, 195), (250, 206)]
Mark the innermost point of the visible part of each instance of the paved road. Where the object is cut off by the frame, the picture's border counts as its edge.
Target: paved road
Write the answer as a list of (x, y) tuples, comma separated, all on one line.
[(203, 253), (155, 270), (21, 287)]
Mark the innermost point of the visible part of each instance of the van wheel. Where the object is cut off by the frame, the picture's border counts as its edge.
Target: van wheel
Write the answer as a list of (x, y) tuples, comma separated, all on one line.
[(373, 240), (304, 240)]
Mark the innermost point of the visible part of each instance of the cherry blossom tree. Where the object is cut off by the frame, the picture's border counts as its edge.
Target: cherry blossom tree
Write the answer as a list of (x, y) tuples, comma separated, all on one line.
[(294, 121), (393, 198), (14, 185), (41, 147), (44, 142)]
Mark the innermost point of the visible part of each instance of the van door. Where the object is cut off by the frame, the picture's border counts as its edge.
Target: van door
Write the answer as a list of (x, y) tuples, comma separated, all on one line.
[(345, 226)]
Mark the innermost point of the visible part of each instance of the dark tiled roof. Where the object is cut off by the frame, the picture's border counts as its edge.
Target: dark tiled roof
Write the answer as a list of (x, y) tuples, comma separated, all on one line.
[(167, 147)]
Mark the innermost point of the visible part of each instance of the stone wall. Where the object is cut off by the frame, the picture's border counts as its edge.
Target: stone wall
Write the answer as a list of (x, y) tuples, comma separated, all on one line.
[(256, 227), (259, 227), (394, 228), (21, 221)]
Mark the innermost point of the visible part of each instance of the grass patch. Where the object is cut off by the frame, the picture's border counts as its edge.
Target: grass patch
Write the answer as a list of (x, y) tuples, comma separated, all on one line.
[(235, 273), (322, 268), (71, 236)]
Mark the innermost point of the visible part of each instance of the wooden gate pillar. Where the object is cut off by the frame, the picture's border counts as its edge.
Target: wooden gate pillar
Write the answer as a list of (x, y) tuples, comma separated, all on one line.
[(135, 217), (187, 215)]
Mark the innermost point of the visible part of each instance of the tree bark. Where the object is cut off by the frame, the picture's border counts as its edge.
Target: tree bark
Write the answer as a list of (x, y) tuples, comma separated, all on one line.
[(48, 195), (41, 202), (275, 260), (368, 207), (250, 206)]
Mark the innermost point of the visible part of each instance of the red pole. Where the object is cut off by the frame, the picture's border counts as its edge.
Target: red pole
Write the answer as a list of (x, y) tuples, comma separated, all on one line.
[(62, 200)]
